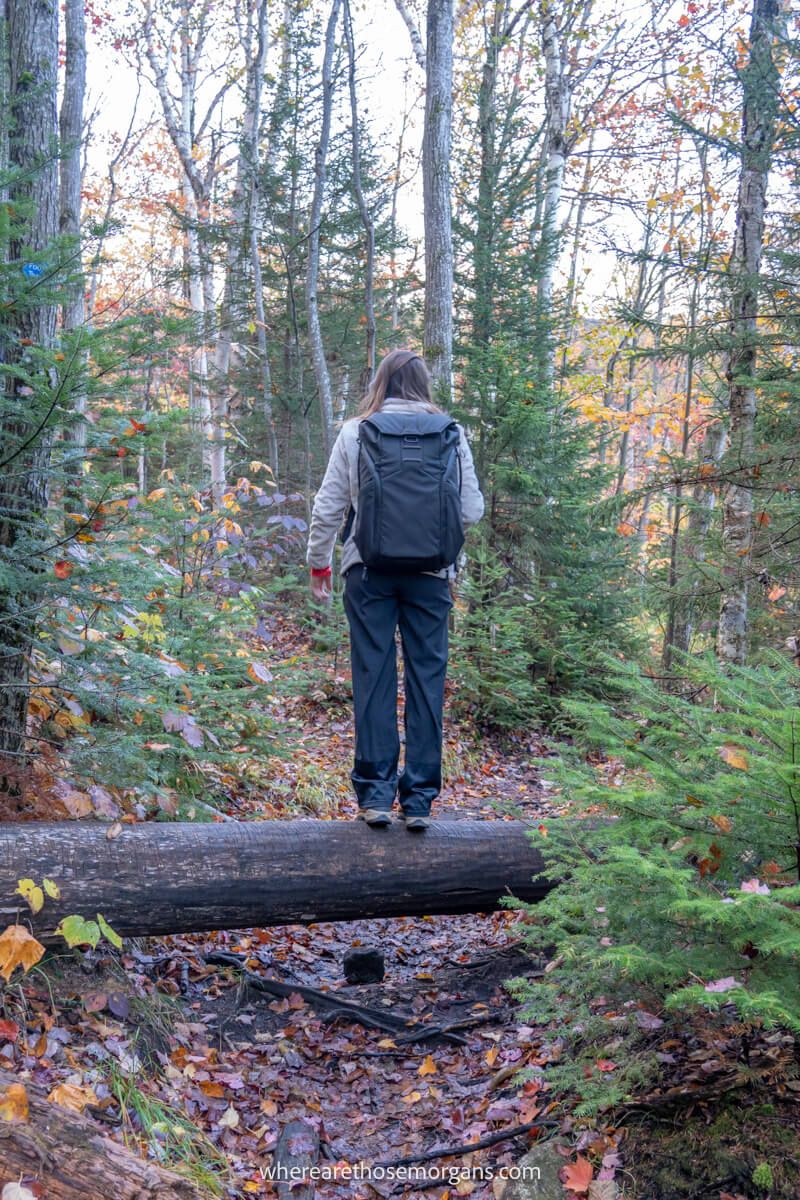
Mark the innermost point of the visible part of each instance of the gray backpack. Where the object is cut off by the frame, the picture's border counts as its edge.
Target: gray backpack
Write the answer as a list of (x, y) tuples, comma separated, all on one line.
[(409, 499)]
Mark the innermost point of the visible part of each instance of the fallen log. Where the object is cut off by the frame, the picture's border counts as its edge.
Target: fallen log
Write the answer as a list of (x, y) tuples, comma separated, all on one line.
[(159, 878), (71, 1156)]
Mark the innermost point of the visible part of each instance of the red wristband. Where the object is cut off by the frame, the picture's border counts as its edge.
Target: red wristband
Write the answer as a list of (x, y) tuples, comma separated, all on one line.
[(320, 572)]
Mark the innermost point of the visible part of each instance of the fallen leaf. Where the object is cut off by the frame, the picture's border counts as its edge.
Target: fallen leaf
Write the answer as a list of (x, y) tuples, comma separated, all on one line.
[(18, 948), (230, 1118), (735, 756), (578, 1175), (722, 985), (16, 1191), (14, 1103), (428, 1066), (73, 1097)]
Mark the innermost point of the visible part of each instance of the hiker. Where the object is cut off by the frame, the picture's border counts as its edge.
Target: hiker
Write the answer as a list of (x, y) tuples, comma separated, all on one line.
[(403, 474)]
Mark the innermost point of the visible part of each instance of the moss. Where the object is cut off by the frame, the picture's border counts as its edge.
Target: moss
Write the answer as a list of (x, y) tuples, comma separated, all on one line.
[(747, 1142)]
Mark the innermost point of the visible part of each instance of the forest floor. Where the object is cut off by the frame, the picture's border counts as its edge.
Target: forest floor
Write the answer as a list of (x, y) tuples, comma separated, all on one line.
[(188, 1063)]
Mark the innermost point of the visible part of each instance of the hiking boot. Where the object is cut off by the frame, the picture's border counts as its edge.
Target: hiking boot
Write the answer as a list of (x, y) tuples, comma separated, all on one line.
[(379, 818), (416, 821)]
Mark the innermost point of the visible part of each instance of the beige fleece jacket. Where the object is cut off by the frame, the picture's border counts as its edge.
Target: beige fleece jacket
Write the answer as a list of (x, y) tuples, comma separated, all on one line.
[(339, 489)]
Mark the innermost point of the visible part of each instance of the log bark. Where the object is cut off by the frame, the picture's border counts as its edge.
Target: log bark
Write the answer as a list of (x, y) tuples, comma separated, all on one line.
[(180, 878), (69, 1154), (295, 1154)]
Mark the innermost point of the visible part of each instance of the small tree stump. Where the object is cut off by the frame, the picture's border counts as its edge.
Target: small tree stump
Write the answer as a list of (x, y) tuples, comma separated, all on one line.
[(364, 965)]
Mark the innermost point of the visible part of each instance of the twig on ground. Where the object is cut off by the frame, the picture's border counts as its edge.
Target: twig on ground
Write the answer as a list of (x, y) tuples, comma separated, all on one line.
[(491, 1139)]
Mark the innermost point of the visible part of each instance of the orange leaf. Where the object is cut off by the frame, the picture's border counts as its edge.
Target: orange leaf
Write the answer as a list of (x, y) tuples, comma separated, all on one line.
[(775, 592), (14, 1103), (69, 1095), (763, 519), (735, 756), (428, 1066), (63, 569), (626, 529), (723, 824), (578, 1175), (18, 948)]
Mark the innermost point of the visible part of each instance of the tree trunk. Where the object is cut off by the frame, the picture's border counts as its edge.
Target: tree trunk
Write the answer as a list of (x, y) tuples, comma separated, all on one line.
[(72, 1158), (366, 216), (557, 112), (71, 131), (314, 219), (438, 329), (760, 88), (27, 331), (165, 878)]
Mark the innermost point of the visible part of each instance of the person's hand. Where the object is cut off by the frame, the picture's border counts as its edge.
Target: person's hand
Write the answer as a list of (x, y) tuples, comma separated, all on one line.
[(321, 587)]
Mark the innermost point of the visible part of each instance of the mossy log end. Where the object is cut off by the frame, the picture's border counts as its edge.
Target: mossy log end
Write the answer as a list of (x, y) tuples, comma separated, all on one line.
[(73, 1159)]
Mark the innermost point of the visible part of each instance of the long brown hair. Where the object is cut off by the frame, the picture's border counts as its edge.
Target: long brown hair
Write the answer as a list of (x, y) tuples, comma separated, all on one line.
[(401, 373)]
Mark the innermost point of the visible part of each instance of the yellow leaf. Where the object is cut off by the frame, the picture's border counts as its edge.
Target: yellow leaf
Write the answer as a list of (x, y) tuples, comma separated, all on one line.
[(69, 1095), (157, 494), (491, 1055), (52, 889), (735, 756), (18, 948), (31, 893), (14, 1103), (722, 823), (412, 1098), (387, 1044), (428, 1066)]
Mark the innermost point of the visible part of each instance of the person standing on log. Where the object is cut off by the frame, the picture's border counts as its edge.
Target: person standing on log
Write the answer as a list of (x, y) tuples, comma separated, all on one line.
[(403, 472)]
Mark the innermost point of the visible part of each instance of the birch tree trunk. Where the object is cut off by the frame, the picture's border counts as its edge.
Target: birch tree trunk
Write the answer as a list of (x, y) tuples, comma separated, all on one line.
[(760, 87), (27, 330), (366, 217), (438, 330), (179, 117), (314, 219), (557, 113), (240, 248), (71, 130)]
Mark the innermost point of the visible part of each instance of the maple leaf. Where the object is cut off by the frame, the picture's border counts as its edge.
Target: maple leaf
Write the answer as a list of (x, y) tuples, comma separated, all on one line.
[(18, 948), (428, 1066), (14, 1103), (578, 1175)]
